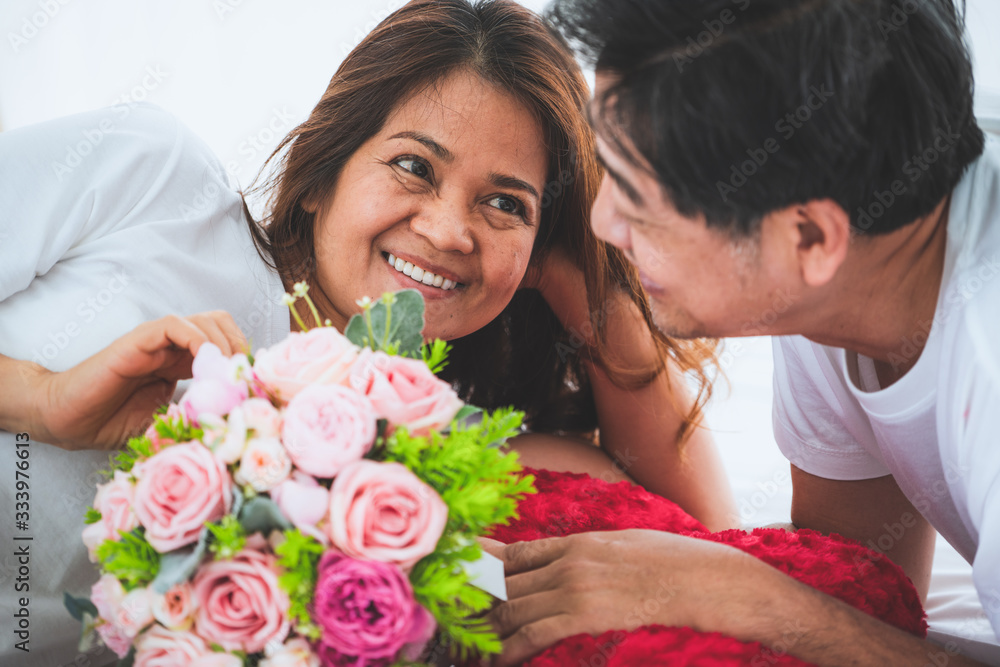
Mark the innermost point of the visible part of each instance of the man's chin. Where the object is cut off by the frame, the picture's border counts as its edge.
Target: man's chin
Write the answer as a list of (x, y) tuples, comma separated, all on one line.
[(675, 323)]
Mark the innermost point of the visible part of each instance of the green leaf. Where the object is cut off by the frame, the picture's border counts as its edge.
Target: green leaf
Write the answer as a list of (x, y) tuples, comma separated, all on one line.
[(136, 449), (228, 535), (93, 516), (260, 514), (394, 324), (179, 566), (132, 559), (299, 556), (436, 355), (78, 606)]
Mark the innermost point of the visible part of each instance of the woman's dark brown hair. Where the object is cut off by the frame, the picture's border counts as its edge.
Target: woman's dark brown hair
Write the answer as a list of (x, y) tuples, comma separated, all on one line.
[(525, 357)]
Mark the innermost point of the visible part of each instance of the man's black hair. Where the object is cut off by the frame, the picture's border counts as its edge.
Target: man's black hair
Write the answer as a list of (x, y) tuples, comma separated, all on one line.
[(744, 107)]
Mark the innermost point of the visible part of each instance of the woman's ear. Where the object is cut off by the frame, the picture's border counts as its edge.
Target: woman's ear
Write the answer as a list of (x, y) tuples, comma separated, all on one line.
[(818, 234)]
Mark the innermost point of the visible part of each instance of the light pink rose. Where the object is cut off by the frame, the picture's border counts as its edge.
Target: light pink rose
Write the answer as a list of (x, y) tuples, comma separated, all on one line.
[(240, 605), (293, 653), (327, 427), (262, 417), (219, 383), (383, 512), (114, 501), (320, 356), (227, 438), (135, 612), (264, 464), (160, 647), (217, 660), (304, 502), (179, 490), (107, 595), (175, 608), (405, 392)]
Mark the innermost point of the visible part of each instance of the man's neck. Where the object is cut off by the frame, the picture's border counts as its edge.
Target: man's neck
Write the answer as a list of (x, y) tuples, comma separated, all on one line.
[(883, 302)]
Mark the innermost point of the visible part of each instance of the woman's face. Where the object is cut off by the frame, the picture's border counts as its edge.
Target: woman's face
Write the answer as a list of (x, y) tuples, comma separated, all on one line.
[(449, 190)]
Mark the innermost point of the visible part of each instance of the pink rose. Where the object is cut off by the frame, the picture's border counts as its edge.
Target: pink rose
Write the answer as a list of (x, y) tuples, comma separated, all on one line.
[(217, 660), (320, 356), (383, 512), (264, 464), (135, 612), (293, 653), (405, 392), (327, 427), (262, 417), (175, 608), (219, 383), (160, 647), (366, 611), (303, 501), (114, 501), (179, 490), (107, 595), (240, 605)]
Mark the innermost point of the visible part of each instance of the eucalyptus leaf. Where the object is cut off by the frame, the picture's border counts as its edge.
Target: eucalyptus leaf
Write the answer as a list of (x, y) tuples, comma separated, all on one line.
[(398, 327), (261, 515), (89, 638), (178, 566), (78, 606), (128, 660)]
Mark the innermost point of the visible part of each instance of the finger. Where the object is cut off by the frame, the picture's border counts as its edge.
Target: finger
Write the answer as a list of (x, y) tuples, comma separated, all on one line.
[(234, 335), (531, 582), (492, 547), (525, 556), (532, 639), (212, 328), (509, 617), (167, 332)]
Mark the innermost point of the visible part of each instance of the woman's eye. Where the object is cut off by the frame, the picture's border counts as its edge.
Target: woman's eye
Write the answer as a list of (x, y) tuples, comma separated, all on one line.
[(416, 167), (507, 205)]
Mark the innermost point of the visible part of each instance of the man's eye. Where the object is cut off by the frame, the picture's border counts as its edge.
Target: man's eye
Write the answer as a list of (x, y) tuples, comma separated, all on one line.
[(415, 166), (507, 205)]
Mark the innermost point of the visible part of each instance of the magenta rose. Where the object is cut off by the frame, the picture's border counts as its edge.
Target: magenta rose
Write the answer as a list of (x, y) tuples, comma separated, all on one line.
[(179, 490), (366, 611), (327, 427), (383, 512), (240, 605), (321, 356), (405, 392), (114, 501), (219, 383), (160, 647)]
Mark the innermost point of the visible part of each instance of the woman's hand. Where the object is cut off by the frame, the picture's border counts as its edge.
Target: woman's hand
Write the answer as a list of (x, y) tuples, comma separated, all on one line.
[(111, 396)]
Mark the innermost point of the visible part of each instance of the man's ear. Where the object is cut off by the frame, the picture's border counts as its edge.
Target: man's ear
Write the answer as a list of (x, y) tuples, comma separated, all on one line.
[(819, 232)]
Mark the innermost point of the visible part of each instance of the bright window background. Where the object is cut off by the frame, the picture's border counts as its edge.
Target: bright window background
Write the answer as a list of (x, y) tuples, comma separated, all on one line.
[(241, 73)]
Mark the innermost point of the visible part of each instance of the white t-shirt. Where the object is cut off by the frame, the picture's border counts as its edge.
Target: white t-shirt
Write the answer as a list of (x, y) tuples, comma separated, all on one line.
[(936, 430), (107, 219)]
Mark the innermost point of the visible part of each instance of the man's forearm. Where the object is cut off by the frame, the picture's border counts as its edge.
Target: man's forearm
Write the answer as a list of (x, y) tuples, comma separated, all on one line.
[(794, 618)]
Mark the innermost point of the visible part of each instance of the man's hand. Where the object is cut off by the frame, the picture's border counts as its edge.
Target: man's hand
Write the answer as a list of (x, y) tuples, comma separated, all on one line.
[(105, 399), (593, 582)]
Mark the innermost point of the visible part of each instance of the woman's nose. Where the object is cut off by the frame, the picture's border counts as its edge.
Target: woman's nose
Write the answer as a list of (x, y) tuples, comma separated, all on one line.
[(446, 224)]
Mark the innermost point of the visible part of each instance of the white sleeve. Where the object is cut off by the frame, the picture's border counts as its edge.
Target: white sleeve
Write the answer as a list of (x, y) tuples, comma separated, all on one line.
[(818, 425), (972, 428)]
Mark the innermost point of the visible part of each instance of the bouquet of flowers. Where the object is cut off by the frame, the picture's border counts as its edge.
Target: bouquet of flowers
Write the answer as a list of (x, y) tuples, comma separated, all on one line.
[(318, 504)]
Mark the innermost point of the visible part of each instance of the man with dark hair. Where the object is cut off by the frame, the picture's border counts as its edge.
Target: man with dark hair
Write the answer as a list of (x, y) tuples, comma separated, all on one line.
[(812, 170)]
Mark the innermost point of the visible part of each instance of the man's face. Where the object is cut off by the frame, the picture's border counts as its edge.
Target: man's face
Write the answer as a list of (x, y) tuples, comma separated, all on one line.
[(700, 281)]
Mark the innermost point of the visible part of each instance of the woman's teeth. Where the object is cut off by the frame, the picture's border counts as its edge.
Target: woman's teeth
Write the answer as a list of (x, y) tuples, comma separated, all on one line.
[(420, 275)]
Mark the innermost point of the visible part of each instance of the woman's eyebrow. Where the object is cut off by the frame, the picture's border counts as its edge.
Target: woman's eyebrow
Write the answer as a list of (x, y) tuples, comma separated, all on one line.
[(436, 148), (504, 181)]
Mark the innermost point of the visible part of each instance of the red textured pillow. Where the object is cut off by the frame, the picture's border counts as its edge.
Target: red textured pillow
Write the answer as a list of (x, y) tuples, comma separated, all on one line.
[(567, 503)]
